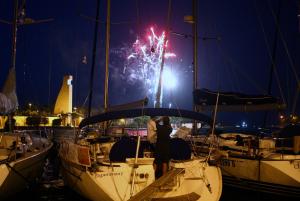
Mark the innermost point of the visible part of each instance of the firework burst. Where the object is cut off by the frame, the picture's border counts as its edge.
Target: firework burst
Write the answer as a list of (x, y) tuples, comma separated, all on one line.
[(144, 62)]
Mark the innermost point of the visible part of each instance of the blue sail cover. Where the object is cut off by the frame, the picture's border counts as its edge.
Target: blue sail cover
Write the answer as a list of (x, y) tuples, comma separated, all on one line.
[(205, 100), (131, 113)]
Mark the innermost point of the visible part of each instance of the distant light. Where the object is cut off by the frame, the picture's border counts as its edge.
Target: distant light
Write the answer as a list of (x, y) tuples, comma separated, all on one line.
[(294, 117), (170, 105), (244, 124), (189, 19), (84, 60)]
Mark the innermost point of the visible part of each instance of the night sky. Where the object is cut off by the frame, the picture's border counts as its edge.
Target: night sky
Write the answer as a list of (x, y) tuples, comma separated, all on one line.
[(238, 61)]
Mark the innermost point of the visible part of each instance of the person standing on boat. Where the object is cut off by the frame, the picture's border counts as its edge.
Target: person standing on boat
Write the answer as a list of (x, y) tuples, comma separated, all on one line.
[(151, 131), (162, 147)]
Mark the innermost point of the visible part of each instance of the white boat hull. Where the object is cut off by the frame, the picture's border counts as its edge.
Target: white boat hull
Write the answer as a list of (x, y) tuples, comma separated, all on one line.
[(273, 174), (199, 178), (109, 183), (114, 183), (18, 175)]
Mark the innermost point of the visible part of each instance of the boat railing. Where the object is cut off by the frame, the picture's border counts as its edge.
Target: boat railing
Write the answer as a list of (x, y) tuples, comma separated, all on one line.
[(31, 138), (267, 145), (289, 145), (8, 147)]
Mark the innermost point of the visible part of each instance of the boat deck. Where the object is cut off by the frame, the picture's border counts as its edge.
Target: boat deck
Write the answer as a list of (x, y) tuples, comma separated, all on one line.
[(162, 184)]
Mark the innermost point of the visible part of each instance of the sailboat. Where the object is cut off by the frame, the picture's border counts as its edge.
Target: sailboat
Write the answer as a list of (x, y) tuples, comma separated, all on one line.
[(261, 160), (117, 166), (23, 152)]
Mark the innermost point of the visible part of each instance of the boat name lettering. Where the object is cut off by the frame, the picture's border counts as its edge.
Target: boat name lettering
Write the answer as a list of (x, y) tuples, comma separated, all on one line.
[(109, 174), (228, 163), (297, 164)]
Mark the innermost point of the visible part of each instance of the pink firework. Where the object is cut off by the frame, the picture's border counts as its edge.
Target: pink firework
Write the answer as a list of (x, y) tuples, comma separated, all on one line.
[(144, 62)]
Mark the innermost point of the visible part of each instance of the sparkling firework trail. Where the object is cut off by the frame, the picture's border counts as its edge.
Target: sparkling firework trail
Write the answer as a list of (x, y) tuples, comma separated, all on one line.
[(144, 62)]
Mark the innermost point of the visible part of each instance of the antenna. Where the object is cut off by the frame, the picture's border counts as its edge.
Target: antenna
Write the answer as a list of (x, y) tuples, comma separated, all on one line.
[(21, 19)]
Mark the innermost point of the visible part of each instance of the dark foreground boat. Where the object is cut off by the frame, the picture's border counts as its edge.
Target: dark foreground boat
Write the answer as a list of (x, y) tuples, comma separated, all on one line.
[(22, 158)]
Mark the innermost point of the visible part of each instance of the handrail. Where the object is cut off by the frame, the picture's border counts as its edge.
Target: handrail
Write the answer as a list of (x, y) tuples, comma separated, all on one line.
[(135, 165)]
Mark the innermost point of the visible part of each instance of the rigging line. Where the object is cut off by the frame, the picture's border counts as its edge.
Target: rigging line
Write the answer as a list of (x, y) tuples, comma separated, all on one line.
[(269, 54), (230, 62), (272, 56), (213, 128), (275, 43), (289, 59), (85, 100), (28, 70), (288, 84), (135, 166), (178, 109), (234, 82), (285, 46), (206, 54), (49, 73), (93, 59), (112, 23), (137, 15), (295, 99)]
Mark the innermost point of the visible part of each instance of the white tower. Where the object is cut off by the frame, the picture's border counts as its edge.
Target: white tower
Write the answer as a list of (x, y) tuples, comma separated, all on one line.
[(63, 104)]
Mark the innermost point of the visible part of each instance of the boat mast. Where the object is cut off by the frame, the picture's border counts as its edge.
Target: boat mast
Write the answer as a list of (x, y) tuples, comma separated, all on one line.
[(159, 86), (94, 58), (14, 36), (195, 47), (195, 55), (14, 52), (107, 56)]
